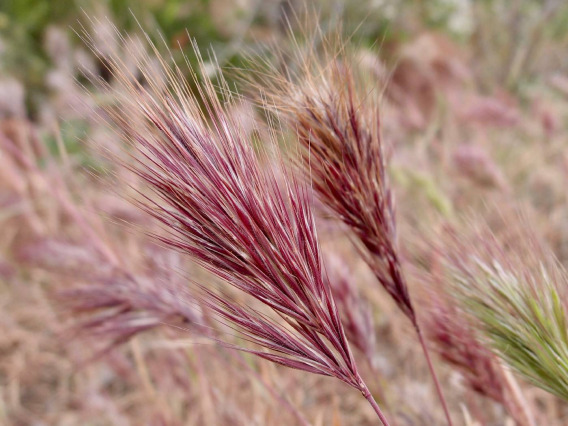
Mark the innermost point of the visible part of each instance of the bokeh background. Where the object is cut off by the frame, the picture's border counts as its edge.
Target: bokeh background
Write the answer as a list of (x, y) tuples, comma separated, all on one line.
[(475, 110)]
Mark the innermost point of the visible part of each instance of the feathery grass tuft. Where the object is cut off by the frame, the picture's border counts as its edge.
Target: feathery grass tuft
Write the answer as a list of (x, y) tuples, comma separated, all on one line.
[(221, 205), (342, 156), (516, 292), (121, 306)]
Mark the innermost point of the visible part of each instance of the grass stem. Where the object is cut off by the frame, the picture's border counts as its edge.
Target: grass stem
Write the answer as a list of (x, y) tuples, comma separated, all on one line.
[(369, 397), (433, 373)]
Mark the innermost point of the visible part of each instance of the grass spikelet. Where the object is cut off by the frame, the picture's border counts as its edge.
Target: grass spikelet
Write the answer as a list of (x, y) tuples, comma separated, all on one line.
[(121, 306), (515, 289), (341, 154), (222, 207), (337, 124)]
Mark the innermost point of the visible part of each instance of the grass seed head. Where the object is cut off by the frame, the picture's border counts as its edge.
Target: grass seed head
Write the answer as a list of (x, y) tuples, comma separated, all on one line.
[(514, 288), (342, 154), (235, 217)]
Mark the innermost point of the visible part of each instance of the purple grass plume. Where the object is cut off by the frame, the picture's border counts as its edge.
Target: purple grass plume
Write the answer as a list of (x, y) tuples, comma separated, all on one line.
[(342, 155), (224, 208), (122, 306)]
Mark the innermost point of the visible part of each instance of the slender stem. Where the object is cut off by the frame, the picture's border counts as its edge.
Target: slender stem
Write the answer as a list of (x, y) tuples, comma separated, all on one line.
[(379, 390), (433, 373), (367, 394)]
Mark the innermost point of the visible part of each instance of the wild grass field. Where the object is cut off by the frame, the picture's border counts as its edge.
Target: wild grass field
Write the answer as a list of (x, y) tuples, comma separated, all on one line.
[(250, 212)]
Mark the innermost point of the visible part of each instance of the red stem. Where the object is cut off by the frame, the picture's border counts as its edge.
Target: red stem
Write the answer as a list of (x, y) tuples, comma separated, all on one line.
[(433, 373), (367, 394)]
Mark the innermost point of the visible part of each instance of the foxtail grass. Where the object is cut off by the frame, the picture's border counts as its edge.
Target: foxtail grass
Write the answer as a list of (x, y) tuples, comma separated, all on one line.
[(515, 289), (342, 157), (223, 207)]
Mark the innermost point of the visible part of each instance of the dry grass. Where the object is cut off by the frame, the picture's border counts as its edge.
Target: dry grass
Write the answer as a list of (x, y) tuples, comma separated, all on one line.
[(449, 148)]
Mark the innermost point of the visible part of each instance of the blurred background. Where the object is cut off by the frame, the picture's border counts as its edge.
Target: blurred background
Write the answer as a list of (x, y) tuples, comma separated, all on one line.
[(475, 109)]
